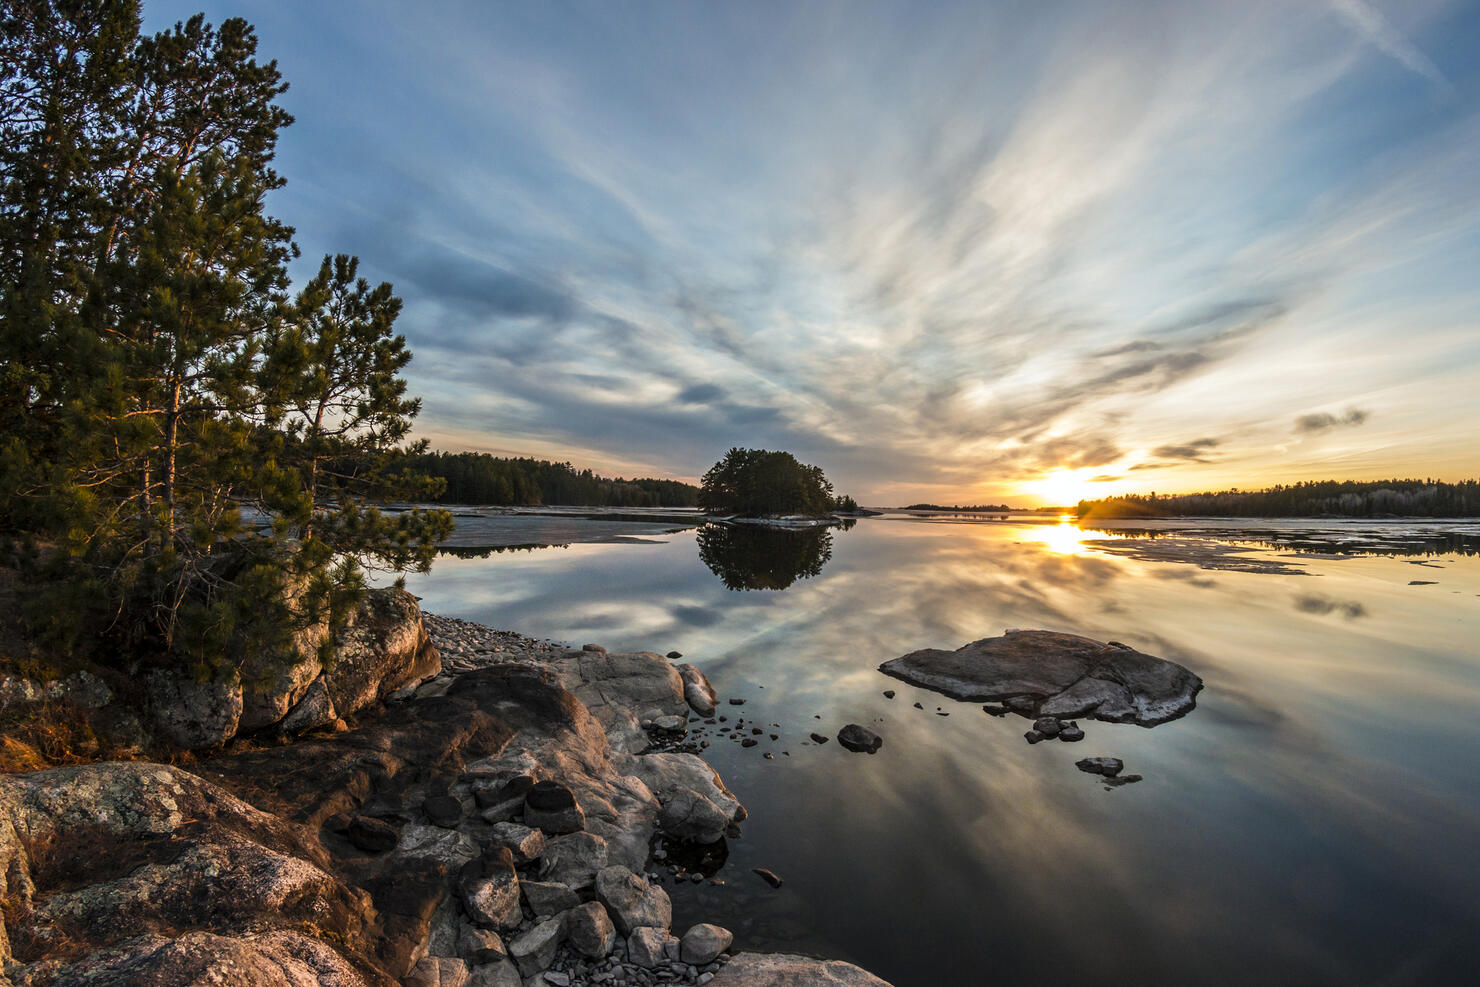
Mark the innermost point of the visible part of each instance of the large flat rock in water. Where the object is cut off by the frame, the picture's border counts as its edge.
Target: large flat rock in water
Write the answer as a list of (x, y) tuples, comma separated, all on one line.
[(787, 970), (1065, 675)]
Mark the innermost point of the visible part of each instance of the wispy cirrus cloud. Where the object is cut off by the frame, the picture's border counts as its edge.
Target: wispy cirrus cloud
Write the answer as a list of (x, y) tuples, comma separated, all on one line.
[(958, 249)]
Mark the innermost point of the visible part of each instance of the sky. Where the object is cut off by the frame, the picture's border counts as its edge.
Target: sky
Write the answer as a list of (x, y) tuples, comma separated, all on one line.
[(977, 252)]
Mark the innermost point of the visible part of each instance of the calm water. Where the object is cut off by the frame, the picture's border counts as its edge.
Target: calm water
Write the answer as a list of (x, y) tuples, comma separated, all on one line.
[(1316, 820)]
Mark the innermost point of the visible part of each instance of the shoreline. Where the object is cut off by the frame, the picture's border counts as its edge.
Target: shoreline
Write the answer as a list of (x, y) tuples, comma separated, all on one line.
[(500, 822)]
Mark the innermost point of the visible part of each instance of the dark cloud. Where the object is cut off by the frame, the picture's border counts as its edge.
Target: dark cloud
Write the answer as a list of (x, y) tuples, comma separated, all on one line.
[(1324, 421), (701, 394), (1193, 451)]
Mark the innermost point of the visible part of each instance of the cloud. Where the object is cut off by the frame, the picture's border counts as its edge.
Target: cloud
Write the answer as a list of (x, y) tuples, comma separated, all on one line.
[(955, 252), (1377, 30), (1324, 421), (1193, 451)]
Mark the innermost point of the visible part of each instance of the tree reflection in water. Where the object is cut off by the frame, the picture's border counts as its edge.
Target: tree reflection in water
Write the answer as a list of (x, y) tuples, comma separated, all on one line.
[(751, 557)]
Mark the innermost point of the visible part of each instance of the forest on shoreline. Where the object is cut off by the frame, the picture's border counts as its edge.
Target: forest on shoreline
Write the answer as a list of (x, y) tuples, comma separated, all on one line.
[(478, 478), (1312, 498)]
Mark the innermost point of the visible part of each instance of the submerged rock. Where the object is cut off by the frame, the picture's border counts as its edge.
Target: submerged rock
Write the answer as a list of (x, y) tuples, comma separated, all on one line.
[(1056, 675)]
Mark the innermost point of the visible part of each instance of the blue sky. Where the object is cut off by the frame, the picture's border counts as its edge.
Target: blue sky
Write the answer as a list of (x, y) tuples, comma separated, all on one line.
[(1023, 251)]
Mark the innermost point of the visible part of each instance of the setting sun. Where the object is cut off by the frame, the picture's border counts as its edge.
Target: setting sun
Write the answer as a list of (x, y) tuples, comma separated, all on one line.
[(1062, 488)]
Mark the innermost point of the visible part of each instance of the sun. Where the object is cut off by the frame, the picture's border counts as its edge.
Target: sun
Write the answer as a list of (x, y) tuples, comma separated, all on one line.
[(1063, 487)]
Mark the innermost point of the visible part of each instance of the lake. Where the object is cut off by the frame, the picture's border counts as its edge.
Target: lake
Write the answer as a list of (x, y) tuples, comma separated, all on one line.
[(1315, 820)]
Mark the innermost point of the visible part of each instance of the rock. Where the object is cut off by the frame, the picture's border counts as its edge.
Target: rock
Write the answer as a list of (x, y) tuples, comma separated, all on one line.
[(1107, 766), (490, 890), (556, 978), (690, 816), (384, 649), (446, 847), (1047, 725), (314, 710), (768, 876), (645, 947), (524, 843), (589, 931), (697, 691), (548, 897), (623, 689), (1071, 734), (1122, 780), (786, 970), (439, 971), (596, 648), (888, 693), (631, 901), (574, 860), (703, 943), (674, 656), (671, 724), (444, 811), (669, 774), (552, 807), (1052, 669), (372, 835), (860, 739), (480, 945), (535, 950), (737, 702), (1034, 737), (818, 738), (190, 713), (749, 742)]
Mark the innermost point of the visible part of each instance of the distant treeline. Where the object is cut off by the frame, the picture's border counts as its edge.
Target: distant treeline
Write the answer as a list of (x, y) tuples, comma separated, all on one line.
[(1340, 498), (985, 508), (478, 478)]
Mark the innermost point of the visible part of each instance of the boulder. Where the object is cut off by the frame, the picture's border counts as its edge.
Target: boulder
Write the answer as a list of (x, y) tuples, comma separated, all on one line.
[(552, 807), (524, 843), (1054, 674), (631, 901), (384, 649), (697, 691), (535, 950), (693, 818), (439, 971), (490, 890), (860, 739), (645, 947), (480, 945), (193, 713), (443, 810), (703, 943), (668, 774), (574, 860), (314, 710), (546, 898), (786, 970), (589, 930)]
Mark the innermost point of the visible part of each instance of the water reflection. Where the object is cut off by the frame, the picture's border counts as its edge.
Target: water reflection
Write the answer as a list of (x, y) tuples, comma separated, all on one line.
[(1316, 805), (748, 557)]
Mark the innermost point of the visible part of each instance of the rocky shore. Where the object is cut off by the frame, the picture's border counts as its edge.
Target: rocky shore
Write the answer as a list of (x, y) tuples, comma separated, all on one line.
[(491, 823)]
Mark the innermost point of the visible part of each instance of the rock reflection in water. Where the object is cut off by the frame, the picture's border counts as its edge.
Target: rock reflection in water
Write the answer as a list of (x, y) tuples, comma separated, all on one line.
[(752, 557)]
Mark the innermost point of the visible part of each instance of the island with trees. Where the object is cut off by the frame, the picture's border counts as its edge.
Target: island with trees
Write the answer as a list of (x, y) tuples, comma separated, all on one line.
[(765, 485)]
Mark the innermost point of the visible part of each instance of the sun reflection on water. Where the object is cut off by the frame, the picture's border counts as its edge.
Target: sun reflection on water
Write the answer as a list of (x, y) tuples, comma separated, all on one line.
[(1064, 538)]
